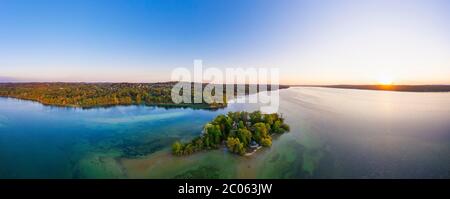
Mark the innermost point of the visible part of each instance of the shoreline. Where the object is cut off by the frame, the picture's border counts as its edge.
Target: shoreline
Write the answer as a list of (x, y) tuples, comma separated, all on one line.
[(397, 88), (193, 106), (102, 95)]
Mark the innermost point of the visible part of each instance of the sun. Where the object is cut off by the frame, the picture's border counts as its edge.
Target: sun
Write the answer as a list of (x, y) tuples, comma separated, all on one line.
[(385, 80)]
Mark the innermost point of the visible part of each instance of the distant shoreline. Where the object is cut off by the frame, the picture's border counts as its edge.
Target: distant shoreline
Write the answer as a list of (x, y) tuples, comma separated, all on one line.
[(94, 95), (400, 88)]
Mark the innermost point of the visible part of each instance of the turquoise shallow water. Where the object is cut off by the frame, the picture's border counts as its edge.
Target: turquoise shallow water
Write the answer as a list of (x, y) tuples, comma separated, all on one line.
[(335, 133)]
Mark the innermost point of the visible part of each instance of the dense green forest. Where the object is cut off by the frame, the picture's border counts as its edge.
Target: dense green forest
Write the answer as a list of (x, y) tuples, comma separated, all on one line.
[(240, 132), (97, 94)]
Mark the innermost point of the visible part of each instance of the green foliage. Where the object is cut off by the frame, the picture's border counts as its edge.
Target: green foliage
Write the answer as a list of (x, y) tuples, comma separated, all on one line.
[(276, 127), (198, 143), (255, 117), (241, 125), (261, 131), (285, 127), (96, 94), (224, 122), (188, 149), (177, 148), (213, 134), (245, 136), (235, 146), (235, 130), (266, 142)]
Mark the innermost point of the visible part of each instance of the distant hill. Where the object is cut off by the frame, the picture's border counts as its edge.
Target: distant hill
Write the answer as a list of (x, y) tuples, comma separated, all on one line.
[(404, 88), (7, 79)]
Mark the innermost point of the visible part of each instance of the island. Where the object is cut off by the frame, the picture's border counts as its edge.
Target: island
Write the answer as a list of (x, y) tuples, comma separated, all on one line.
[(89, 95), (241, 133)]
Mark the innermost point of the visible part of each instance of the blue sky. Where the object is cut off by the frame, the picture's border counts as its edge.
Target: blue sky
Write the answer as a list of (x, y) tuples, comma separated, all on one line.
[(312, 42)]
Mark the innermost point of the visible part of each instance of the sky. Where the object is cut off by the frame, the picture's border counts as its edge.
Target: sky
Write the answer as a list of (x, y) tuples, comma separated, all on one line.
[(311, 41)]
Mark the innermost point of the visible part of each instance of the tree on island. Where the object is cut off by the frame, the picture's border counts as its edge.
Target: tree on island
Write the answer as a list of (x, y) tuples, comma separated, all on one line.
[(236, 131)]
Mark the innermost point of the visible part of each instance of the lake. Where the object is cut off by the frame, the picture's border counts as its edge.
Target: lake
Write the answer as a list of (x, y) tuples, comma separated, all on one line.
[(335, 133)]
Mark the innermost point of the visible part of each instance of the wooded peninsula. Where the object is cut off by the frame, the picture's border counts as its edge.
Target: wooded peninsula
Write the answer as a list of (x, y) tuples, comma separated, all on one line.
[(88, 95), (241, 132)]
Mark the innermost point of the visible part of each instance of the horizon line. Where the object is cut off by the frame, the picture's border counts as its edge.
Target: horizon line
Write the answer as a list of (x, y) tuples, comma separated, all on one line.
[(156, 82)]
